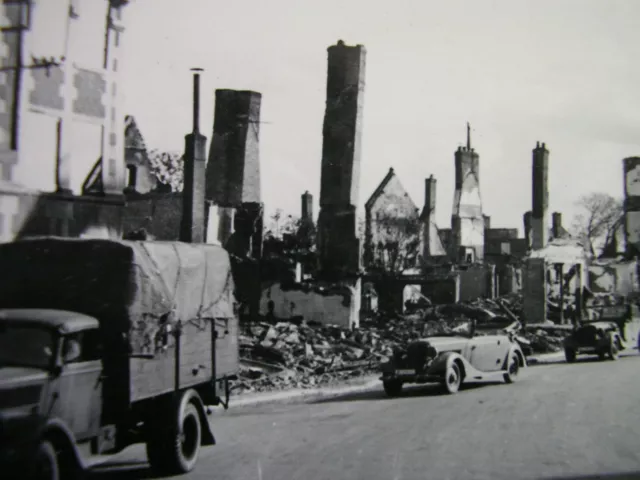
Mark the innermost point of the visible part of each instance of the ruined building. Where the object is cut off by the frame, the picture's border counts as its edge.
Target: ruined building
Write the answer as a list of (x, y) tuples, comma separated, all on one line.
[(392, 233), (220, 200), (61, 117), (140, 177), (467, 220), (233, 172), (338, 243)]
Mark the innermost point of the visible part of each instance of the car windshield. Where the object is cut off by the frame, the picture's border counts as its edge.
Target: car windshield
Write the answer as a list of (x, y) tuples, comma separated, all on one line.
[(447, 329), (25, 346)]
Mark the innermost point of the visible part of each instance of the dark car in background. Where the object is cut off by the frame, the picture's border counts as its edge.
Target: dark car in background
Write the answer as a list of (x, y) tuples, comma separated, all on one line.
[(614, 329)]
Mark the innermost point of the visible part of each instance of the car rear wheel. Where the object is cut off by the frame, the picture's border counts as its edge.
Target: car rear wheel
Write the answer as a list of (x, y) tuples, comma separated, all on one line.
[(392, 388), (570, 355), (613, 351), (452, 378), (513, 368)]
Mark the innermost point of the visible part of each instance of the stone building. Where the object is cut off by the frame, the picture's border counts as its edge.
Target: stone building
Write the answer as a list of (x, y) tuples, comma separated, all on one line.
[(61, 117)]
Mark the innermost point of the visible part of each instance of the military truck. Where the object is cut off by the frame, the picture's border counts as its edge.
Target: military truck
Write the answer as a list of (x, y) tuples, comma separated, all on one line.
[(104, 344)]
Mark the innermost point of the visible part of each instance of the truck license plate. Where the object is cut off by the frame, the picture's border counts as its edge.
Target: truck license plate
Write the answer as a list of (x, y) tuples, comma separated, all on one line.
[(405, 372)]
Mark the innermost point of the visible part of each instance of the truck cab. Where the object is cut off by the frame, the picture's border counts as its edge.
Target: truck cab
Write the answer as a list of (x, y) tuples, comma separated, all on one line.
[(50, 385)]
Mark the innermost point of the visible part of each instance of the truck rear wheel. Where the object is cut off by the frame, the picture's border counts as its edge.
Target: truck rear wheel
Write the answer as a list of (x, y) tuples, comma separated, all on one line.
[(186, 445), (46, 463)]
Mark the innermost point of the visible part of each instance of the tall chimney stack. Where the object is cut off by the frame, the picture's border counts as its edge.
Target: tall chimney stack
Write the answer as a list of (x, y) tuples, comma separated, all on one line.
[(307, 206), (540, 197), (428, 217), (526, 218), (192, 226)]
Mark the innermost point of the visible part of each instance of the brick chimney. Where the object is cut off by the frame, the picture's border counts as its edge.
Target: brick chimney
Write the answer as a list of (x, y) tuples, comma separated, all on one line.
[(540, 197), (192, 226), (307, 206), (428, 215), (556, 224), (430, 194)]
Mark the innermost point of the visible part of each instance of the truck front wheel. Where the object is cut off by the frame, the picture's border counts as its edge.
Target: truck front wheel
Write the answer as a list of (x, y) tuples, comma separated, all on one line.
[(46, 462)]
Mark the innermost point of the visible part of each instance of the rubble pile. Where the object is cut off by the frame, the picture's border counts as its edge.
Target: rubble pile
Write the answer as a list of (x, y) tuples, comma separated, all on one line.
[(285, 355)]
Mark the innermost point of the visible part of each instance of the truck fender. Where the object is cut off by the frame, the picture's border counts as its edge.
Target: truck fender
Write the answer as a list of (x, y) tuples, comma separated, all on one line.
[(59, 434), (518, 352), (444, 360), (191, 396)]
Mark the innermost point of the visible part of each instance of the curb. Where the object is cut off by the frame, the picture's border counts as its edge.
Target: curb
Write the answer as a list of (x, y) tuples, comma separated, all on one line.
[(301, 395), (368, 383)]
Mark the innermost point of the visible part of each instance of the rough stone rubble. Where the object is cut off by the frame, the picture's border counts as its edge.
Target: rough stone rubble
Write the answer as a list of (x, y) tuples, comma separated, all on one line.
[(286, 355)]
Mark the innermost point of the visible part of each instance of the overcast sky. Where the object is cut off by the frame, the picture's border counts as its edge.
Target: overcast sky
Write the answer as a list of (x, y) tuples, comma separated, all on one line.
[(559, 71)]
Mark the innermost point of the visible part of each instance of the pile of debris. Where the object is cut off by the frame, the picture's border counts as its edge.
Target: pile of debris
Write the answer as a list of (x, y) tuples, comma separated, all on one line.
[(296, 354)]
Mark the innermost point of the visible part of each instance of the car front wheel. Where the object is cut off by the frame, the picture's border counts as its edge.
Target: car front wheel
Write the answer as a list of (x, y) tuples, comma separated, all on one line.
[(452, 378), (613, 351), (392, 388), (570, 355)]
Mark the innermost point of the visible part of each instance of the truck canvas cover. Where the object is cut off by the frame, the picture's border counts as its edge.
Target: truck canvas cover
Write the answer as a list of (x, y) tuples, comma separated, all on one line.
[(138, 286)]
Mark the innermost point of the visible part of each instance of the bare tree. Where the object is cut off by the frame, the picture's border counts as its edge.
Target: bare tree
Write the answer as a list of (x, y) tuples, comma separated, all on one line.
[(599, 217), (168, 168)]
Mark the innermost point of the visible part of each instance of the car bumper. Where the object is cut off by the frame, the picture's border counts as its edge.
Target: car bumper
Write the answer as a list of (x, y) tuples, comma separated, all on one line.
[(410, 377)]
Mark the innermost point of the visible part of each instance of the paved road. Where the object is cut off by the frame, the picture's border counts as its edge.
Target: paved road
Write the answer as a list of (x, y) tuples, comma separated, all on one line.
[(559, 421)]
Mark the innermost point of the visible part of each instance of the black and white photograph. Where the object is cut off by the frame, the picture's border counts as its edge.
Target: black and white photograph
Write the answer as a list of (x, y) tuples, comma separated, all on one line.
[(250, 240)]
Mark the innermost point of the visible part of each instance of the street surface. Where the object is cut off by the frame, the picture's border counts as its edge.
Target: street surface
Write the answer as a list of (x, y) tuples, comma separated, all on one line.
[(559, 421)]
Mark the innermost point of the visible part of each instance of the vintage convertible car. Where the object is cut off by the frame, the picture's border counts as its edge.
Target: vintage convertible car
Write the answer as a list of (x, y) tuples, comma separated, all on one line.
[(453, 358)]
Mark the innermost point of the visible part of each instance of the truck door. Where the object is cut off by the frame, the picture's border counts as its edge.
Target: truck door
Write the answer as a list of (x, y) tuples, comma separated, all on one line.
[(79, 386)]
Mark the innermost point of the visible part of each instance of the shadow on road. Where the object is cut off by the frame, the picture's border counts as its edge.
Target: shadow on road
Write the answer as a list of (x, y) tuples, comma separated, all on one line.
[(603, 476), (582, 359), (123, 470), (428, 390)]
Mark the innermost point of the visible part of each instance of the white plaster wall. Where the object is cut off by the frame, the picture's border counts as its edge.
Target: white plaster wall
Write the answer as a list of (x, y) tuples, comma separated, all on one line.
[(219, 224), (471, 232), (312, 306), (36, 168)]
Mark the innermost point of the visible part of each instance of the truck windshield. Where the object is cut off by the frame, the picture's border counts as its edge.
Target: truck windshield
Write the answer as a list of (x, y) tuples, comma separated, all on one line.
[(25, 346)]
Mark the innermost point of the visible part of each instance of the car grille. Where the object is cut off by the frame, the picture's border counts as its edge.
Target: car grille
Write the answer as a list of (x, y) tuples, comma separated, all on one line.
[(587, 336), (416, 356)]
